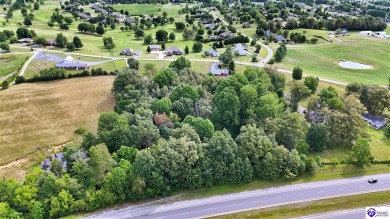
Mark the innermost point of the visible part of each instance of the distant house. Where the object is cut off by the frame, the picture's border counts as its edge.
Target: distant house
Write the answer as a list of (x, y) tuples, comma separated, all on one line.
[(129, 20), (83, 16), (375, 122), (240, 49), (96, 5), (213, 8), (174, 51), (154, 47), (51, 43), (71, 64), (207, 21), (127, 52), (382, 35), (277, 19), (246, 25), (46, 164), (268, 33), (280, 39), (226, 35), (211, 26), (217, 71), (212, 52), (146, 16), (25, 40)]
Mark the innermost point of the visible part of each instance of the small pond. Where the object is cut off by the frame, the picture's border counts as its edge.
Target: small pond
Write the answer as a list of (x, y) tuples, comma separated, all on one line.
[(354, 65)]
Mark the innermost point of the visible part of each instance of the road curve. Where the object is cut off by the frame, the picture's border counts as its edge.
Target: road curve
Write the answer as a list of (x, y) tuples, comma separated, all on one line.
[(257, 199)]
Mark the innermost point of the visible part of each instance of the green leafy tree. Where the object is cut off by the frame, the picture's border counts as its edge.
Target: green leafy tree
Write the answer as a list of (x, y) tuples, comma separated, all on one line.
[(60, 205), (70, 46), (197, 47), (138, 33), (133, 63), (164, 77), (61, 40), (164, 105), (317, 137), (101, 162), (292, 127), (37, 210), (226, 110), (172, 36), (204, 127), (361, 152), (186, 50), (180, 63), (311, 83), (108, 43), (328, 93), (24, 197), (386, 131), (298, 92), (148, 39), (7, 212), (27, 21), (77, 42), (126, 153), (297, 73), (100, 30), (180, 26), (226, 57), (162, 36), (184, 91)]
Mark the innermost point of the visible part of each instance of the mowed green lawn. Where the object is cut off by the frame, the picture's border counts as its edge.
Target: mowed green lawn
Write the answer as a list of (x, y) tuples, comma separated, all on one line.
[(322, 60), (139, 9)]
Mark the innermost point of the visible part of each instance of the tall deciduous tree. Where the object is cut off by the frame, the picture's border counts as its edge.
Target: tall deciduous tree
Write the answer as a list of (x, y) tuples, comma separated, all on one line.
[(297, 73), (226, 110), (291, 128), (311, 83), (162, 36), (77, 42), (101, 162), (361, 152)]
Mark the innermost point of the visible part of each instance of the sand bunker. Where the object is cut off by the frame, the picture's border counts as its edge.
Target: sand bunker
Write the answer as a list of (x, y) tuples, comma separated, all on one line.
[(353, 65)]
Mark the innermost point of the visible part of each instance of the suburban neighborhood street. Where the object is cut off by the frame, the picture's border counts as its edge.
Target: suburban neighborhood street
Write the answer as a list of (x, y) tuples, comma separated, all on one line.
[(263, 198)]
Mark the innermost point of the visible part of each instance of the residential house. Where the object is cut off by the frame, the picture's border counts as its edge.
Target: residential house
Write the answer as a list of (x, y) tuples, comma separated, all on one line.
[(268, 33), (240, 49), (226, 35), (51, 43), (206, 21), (277, 19), (213, 8), (174, 51), (25, 40), (381, 35), (129, 20), (246, 25), (375, 122), (83, 16), (218, 71), (71, 64), (211, 26), (154, 47), (212, 52), (280, 39), (96, 5), (127, 52)]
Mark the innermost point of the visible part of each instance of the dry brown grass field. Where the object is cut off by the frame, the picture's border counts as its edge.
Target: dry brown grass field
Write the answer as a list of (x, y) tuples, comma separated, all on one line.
[(35, 117)]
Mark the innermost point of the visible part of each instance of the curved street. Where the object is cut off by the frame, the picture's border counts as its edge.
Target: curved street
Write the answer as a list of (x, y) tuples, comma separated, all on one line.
[(257, 199)]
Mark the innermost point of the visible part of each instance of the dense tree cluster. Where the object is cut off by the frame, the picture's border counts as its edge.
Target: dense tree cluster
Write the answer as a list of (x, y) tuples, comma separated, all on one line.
[(175, 130)]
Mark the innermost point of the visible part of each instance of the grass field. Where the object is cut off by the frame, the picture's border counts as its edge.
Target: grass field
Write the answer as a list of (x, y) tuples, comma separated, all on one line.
[(315, 207), (38, 116), (139, 9), (11, 63), (323, 61)]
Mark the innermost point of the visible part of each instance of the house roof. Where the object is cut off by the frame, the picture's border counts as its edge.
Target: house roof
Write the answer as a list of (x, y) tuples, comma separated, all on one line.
[(174, 49), (153, 46), (70, 62), (212, 51), (375, 121), (218, 71), (280, 38), (25, 40)]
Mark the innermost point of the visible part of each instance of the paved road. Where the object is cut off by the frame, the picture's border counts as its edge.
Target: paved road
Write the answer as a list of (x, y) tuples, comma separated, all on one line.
[(276, 196)]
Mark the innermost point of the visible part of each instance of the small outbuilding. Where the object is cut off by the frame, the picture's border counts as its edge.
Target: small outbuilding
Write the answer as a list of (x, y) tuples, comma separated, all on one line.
[(375, 122)]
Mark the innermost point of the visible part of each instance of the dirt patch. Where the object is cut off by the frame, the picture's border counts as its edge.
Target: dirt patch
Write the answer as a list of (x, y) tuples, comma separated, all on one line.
[(36, 116)]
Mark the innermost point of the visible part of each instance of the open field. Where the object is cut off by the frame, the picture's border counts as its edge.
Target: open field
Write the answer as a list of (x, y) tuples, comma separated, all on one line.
[(315, 207), (139, 9), (322, 61), (37, 116), (11, 63)]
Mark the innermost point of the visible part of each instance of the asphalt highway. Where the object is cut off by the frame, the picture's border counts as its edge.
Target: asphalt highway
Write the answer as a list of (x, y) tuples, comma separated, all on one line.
[(256, 199)]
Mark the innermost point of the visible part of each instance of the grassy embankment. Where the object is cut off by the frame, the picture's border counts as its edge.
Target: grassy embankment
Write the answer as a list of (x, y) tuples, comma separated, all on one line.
[(36, 117)]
